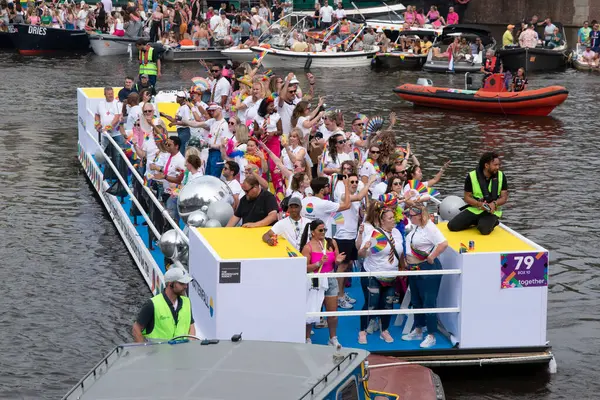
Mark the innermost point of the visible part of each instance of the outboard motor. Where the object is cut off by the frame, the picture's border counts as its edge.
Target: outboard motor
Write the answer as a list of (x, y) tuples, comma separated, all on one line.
[(468, 81), (424, 82)]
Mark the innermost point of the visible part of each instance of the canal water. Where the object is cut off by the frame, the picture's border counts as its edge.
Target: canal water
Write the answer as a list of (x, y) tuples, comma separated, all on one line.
[(71, 291)]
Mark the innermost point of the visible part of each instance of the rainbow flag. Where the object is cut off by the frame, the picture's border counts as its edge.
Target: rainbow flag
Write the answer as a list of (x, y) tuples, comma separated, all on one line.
[(380, 242), (323, 162), (257, 60), (388, 200), (433, 192), (357, 155), (417, 185), (202, 84)]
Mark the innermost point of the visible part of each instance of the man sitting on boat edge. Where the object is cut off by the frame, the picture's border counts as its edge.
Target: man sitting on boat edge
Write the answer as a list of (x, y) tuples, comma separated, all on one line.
[(168, 314), (486, 190)]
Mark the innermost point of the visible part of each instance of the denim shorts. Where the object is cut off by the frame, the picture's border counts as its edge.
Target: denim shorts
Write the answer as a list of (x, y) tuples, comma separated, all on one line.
[(333, 288)]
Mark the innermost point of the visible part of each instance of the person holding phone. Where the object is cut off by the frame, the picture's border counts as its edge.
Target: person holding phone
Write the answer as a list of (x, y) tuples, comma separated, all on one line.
[(316, 207)]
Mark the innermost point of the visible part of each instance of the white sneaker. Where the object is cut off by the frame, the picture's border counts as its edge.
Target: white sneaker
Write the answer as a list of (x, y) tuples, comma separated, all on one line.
[(428, 342), (385, 336), (321, 324), (349, 299), (342, 303), (373, 326), (312, 332), (413, 335), (334, 342), (396, 299), (308, 341)]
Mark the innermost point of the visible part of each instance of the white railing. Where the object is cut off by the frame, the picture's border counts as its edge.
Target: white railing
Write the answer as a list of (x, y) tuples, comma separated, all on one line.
[(385, 274)]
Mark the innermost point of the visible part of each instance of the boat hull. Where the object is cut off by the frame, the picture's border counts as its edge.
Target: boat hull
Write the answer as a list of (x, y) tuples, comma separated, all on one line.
[(538, 102), (290, 59), (533, 60), (110, 45), (31, 40), (179, 55), (584, 66), (5, 40), (238, 55), (443, 66), (399, 61)]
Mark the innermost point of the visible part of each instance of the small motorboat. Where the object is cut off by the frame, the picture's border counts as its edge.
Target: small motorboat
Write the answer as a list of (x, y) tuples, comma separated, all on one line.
[(437, 61), (492, 98), (536, 59), (244, 369), (404, 59), (279, 58), (192, 53), (31, 40), (579, 63), (111, 45), (238, 55)]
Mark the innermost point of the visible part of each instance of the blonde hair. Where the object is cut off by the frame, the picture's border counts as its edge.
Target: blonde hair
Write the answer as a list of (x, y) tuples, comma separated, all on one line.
[(297, 132), (424, 213), (192, 150), (241, 133)]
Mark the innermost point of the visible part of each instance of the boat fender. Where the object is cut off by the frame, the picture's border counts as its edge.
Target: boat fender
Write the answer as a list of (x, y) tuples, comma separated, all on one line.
[(192, 47), (424, 82), (462, 1), (308, 62)]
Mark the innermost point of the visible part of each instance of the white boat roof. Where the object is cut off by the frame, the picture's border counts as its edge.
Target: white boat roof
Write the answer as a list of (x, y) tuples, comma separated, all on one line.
[(224, 371)]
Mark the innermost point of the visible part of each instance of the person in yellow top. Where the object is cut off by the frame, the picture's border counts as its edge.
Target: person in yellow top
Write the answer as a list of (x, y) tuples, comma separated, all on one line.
[(300, 45), (425, 45), (168, 314), (507, 38)]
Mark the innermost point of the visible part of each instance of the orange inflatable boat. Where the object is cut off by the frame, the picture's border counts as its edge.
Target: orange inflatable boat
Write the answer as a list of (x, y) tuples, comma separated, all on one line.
[(490, 99)]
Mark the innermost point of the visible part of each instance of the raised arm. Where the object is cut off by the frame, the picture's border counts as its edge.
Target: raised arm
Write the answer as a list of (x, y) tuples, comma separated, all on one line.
[(438, 176)]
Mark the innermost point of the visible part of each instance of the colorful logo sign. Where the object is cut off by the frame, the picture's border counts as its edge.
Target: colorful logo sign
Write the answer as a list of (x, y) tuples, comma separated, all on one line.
[(211, 307), (310, 208), (522, 270)]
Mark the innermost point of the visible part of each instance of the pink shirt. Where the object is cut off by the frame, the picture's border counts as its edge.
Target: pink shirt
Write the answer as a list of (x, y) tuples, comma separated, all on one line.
[(315, 256), (452, 18), (420, 19), (409, 17)]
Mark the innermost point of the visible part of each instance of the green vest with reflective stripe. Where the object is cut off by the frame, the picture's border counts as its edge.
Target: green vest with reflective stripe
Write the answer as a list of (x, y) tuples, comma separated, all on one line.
[(150, 67), (478, 194), (164, 324)]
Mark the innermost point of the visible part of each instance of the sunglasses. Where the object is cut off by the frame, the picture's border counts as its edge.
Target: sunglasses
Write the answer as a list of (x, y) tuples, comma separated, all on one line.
[(248, 191), (215, 70), (231, 122), (374, 151), (148, 111), (416, 212), (291, 91), (353, 182), (341, 142), (321, 230), (396, 183)]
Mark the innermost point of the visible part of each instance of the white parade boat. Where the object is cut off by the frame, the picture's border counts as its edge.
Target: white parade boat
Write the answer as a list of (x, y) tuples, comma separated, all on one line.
[(492, 303), (280, 58)]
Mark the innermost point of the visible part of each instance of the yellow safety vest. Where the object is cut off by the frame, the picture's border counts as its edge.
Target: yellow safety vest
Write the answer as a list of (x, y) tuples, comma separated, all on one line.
[(478, 193), (164, 323), (146, 65)]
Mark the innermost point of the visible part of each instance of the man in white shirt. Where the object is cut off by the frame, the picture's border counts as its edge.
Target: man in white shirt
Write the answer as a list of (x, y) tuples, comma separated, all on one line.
[(214, 21), (182, 118), (391, 172), (291, 227), (287, 102), (230, 171), (340, 13), (223, 27), (316, 207), (171, 175), (220, 88), (108, 116), (107, 6), (326, 15), (219, 131)]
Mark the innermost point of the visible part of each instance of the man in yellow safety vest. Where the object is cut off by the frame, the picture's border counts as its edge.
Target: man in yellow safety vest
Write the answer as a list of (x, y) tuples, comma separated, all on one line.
[(149, 60), (168, 314), (486, 190)]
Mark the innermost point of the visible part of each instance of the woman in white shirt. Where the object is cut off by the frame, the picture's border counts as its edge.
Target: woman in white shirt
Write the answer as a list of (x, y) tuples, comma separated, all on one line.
[(335, 154), (424, 243), (305, 119), (371, 166), (381, 245), (293, 150), (268, 127)]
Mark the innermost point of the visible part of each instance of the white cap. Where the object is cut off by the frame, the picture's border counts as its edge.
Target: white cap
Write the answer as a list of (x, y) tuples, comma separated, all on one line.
[(379, 30), (177, 274), (294, 80), (181, 94)]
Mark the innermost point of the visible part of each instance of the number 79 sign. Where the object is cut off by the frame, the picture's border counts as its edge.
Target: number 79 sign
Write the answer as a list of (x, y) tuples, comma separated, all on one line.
[(522, 270)]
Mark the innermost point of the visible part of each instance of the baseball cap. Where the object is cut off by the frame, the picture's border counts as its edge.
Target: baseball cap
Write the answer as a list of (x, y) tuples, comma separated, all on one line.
[(510, 26), (294, 80), (181, 94), (177, 274), (295, 201), (213, 106), (144, 76), (379, 30)]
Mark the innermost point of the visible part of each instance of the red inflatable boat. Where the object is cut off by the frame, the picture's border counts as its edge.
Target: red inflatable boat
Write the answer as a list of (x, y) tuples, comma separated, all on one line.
[(490, 99)]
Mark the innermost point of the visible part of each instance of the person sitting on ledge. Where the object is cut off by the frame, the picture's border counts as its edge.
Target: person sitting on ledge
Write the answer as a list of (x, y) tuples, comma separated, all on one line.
[(486, 190)]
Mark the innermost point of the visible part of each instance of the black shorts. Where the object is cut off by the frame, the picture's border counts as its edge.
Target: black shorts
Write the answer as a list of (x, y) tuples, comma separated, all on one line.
[(348, 247)]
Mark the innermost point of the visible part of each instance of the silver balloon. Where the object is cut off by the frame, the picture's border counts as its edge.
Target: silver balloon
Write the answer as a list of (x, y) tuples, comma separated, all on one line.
[(450, 207), (213, 223), (198, 219), (99, 157), (220, 211), (172, 245), (200, 193)]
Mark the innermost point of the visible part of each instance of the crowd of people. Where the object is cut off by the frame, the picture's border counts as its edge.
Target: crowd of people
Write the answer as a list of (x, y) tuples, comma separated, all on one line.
[(340, 191)]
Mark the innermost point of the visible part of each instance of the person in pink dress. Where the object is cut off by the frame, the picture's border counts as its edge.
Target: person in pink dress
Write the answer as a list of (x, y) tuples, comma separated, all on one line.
[(410, 16), (452, 18)]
